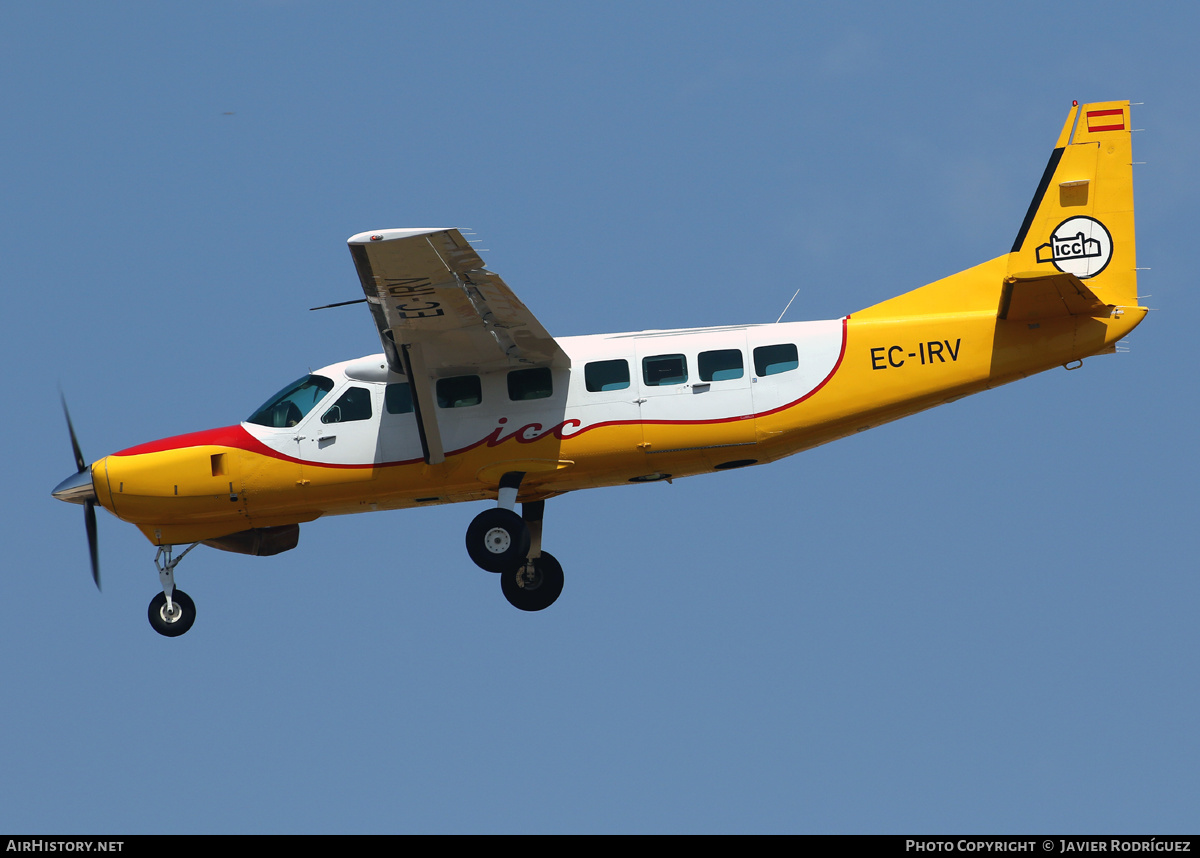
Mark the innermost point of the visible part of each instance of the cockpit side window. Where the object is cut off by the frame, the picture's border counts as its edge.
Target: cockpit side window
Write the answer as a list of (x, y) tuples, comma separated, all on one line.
[(354, 404), (288, 406)]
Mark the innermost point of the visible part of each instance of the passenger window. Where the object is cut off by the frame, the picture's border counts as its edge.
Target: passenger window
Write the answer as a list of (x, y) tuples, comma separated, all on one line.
[(606, 375), (664, 369), (459, 392), (530, 384), (354, 404), (397, 399), (769, 360), (721, 365)]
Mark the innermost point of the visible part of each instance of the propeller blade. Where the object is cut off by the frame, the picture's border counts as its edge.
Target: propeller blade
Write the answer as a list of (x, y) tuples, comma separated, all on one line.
[(89, 506), (89, 518), (80, 462)]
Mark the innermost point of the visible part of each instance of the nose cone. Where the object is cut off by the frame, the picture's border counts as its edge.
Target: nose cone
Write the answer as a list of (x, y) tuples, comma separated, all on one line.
[(76, 488)]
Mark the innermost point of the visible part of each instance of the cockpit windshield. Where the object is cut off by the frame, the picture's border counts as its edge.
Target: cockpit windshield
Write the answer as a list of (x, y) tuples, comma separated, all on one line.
[(288, 406)]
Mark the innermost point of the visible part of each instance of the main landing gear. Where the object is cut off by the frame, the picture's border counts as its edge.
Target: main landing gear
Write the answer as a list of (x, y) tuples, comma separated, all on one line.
[(172, 611), (510, 545)]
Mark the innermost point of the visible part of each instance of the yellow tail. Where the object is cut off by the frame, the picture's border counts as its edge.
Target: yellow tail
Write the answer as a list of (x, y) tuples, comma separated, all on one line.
[(1081, 219), (1075, 251)]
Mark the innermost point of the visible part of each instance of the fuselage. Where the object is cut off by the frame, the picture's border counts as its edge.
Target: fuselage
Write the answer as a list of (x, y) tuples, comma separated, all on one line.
[(632, 407)]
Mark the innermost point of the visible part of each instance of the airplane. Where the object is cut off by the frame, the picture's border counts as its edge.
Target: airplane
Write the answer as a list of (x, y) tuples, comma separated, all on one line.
[(472, 399)]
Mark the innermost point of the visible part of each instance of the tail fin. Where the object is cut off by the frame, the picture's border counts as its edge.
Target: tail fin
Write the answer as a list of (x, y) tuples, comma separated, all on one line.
[(1081, 219), (1080, 224)]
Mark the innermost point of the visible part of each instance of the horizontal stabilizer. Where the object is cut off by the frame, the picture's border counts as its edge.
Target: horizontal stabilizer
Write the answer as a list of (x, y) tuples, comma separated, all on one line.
[(1033, 295)]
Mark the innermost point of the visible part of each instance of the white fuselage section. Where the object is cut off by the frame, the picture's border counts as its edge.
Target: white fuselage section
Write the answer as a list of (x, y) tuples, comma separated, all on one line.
[(669, 379)]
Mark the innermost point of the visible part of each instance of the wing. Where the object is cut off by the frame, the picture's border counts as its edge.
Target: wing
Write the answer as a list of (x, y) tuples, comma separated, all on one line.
[(428, 287), (440, 313)]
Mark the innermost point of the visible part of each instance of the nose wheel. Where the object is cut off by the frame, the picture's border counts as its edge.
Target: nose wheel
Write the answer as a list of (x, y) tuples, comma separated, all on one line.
[(174, 619), (172, 611)]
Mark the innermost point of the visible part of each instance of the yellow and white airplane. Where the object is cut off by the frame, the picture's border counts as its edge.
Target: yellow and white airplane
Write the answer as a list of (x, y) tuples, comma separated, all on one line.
[(472, 399)]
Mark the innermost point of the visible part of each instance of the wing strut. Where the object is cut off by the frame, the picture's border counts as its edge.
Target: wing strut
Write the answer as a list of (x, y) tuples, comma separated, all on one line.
[(423, 404)]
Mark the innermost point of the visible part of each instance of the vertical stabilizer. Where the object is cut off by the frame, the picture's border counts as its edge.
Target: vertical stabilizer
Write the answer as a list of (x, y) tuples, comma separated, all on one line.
[(1081, 219)]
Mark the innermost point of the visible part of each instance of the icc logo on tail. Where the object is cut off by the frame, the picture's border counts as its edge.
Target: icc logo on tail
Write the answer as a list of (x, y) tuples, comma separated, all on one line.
[(1079, 245)]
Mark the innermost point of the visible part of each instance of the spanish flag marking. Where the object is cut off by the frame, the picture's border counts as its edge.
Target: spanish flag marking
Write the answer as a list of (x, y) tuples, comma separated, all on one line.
[(1106, 120)]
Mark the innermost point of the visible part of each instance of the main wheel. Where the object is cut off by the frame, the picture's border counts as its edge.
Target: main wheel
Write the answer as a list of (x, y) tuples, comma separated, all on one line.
[(174, 623), (534, 585), (498, 540)]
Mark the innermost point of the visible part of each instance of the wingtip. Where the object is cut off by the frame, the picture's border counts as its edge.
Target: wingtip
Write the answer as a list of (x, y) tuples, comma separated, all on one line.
[(393, 234)]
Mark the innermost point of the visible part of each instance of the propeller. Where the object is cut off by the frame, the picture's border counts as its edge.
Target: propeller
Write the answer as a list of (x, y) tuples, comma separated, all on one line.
[(78, 488)]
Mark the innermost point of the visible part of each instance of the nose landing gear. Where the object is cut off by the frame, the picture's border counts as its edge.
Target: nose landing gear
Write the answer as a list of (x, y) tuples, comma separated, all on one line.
[(174, 619), (172, 611)]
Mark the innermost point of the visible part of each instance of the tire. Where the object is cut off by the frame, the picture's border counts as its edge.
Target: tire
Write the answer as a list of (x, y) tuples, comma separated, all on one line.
[(169, 627), (498, 540), (538, 593)]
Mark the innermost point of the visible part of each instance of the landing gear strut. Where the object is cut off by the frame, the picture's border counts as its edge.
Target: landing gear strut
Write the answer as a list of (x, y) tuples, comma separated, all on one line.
[(172, 611), (501, 541)]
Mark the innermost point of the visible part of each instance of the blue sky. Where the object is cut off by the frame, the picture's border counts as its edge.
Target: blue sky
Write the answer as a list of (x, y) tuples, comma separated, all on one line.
[(981, 618)]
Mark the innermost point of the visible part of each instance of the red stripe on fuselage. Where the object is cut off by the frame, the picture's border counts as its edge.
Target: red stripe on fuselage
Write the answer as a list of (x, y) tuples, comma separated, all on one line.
[(784, 407), (238, 438), (825, 381), (226, 436), (751, 416)]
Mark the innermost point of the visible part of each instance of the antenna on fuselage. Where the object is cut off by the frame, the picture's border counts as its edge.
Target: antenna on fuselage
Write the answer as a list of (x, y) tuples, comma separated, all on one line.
[(785, 309)]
